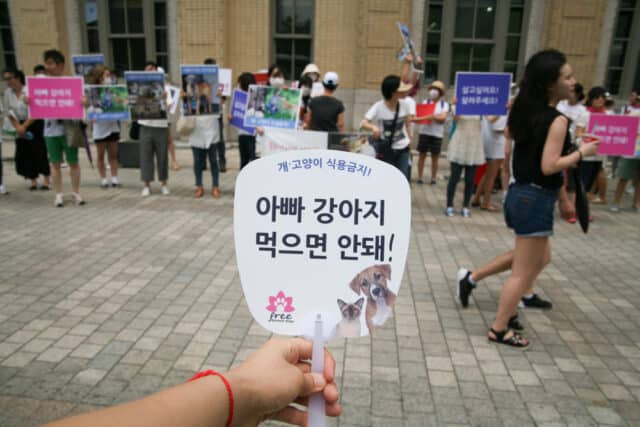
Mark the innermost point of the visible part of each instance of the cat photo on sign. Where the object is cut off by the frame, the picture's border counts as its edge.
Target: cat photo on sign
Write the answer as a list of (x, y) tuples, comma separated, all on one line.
[(349, 326)]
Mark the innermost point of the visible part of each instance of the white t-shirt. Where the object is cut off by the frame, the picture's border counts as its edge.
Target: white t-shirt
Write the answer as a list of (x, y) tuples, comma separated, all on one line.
[(583, 122), (435, 129), (103, 129), (53, 128), (381, 116), (411, 102), (573, 112), (206, 132)]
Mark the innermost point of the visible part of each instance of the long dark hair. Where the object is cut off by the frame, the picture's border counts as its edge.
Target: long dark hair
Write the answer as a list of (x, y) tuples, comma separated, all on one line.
[(541, 72)]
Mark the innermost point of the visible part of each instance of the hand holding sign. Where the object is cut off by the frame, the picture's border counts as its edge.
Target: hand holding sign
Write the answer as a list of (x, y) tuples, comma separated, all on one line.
[(321, 232)]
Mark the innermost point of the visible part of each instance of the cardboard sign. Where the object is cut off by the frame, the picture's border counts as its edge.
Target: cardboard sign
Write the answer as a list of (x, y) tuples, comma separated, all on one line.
[(83, 65), (107, 102), (224, 81), (238, 109), (423, 110), (55, 97), (200, 88), (481, 94), (146, 95), (321, 232), (618, 134), (274, 141), (272, 107)]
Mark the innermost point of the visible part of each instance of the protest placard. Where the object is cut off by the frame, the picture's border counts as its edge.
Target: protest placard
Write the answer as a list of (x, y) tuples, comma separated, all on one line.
[(409, 47), (262, 77), (147, 97), (200, 88), (618, 134), (482, 93), (238, 108), (352, 142), (84, 64), (107, 102), (423, 110), (55, 97), (224, 81), (273, 140), (308, 243), (272, 107)]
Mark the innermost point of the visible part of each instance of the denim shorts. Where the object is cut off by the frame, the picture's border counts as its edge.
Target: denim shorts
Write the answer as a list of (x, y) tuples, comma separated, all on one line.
[(528, 210)]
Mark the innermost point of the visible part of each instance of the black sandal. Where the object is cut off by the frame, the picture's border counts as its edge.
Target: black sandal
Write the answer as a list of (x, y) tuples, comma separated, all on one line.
[(515, 340), (515, 324)]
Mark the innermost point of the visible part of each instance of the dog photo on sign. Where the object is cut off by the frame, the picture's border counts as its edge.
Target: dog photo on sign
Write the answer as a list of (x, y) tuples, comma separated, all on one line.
[(373, 282)]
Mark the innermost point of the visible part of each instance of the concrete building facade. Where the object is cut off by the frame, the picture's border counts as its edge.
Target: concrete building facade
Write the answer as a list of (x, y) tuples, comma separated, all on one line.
[(359, 39)]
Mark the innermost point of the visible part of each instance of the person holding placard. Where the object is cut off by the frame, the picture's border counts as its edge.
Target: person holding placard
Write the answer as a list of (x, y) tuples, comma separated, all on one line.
[(541, 152), (246, 140), (106, 134), (430, 139), (465, 153), (31, 151), (203, 140), (591, 168), (154, 142), (388, 120), (56, 141), (261, 388), (629, 168)]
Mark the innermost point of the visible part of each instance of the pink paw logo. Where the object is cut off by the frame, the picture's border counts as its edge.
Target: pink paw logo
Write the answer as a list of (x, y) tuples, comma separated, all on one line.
[(280, 303)]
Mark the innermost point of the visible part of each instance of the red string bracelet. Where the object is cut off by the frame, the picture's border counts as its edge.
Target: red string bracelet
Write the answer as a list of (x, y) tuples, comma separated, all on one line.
[(227, 386)]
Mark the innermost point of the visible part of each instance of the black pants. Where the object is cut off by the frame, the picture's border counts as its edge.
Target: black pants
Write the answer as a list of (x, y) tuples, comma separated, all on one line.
[(456, 173), (222, 160), (247, 147), (1, 170)]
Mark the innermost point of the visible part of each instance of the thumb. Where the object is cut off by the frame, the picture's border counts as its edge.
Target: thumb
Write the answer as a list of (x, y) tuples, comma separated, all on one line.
[(312, 383)]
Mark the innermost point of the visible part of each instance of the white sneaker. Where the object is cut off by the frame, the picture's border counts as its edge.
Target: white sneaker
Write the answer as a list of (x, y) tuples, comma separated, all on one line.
[(77, 198), (104, 183), (614, 208), (449, 212), (146, 191), (3, 189), (59, 201), (165, 190), (466, 213)]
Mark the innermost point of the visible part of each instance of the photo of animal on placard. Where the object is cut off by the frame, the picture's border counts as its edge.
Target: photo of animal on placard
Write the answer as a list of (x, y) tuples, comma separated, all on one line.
[(352, 142), (200, 90), (349, 326), (373, 283)]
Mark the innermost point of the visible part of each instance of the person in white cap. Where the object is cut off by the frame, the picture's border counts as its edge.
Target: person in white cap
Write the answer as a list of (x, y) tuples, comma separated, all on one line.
[(326, 112)]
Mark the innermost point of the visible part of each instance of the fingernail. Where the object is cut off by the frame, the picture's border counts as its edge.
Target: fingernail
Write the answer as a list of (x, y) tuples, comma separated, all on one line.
[(318, 380)]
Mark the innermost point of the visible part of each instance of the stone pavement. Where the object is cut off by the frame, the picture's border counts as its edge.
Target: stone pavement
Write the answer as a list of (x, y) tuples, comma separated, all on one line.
[(125, 296)]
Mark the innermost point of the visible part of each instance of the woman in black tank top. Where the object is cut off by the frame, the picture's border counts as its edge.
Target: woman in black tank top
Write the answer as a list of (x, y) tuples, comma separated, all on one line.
[(540, 154)]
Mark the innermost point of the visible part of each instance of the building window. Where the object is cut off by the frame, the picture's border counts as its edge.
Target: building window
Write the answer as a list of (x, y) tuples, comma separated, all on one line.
[(8, 53), (127, 32), (293, 37), (432, 38), (473, 36), (620, 44), (514, 35)]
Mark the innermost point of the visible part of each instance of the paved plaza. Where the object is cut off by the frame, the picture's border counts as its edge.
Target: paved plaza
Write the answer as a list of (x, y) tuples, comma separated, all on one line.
[(125, 296)]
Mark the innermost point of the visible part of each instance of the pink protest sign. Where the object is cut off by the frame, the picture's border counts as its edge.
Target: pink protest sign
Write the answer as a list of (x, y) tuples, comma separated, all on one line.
[(617, 133), (55, 97)]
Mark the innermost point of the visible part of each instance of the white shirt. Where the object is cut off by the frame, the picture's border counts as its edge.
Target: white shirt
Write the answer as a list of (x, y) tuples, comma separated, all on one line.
[(435, 129), (583, 122), (103, 129), (411, 102), (573, 112), (206, 132), (380, 115)]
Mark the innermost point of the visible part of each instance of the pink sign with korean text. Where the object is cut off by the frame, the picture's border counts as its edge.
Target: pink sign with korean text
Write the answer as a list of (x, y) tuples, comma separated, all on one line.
[(55, 97), (617, 134)]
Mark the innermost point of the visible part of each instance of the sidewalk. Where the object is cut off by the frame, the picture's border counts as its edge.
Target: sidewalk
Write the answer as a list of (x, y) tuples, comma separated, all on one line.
[(111, 301)]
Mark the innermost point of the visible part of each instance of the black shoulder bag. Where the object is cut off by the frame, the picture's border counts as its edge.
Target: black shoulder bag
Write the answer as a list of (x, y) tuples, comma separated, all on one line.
[(383, 144)]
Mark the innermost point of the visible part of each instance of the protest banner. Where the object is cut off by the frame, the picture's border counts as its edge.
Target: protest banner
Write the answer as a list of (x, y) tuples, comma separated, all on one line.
[(482, 93), (146, 95), (55, 97), (618, 134), (200, 88), (273, 140), (308, 244), (224, 81), (107, 102), (84, 64), (409, 47), (352, 142), (423, 110), (238, 108), (272, 107)]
